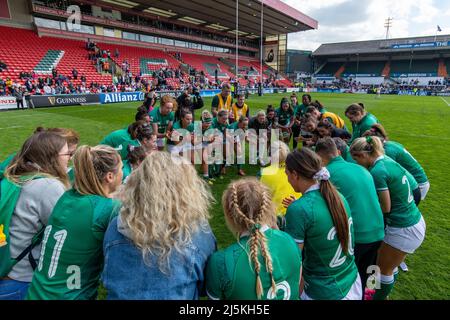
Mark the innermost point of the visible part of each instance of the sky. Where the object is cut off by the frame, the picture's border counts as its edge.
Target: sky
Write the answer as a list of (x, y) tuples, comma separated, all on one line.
[(354, 20)]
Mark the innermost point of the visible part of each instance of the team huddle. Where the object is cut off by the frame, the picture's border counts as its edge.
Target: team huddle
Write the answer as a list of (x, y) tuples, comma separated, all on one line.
[(331, 220)]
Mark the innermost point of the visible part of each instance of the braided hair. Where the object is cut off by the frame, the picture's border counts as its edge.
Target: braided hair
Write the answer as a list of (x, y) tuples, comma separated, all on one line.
[(248, 205)]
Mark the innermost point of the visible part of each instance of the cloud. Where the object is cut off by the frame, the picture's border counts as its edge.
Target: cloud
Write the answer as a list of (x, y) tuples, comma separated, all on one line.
[(344, 13), (356, 20)]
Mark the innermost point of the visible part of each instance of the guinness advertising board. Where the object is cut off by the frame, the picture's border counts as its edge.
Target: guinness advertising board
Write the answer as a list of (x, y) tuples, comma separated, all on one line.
[(63, 100)]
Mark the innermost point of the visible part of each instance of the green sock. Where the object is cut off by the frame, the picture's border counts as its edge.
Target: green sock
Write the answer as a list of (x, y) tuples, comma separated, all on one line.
[(395, 274), (386, 285), (211, 170), (217, 168)]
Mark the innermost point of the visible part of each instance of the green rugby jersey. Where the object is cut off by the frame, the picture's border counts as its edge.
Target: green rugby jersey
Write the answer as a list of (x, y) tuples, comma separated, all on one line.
[(357, 186), (177, 126), (390, 176), (221, 127), (230, 273), (399, 154), (72, 249), (362, 126), (7, 161), (160, 120), (284, 117), (120, 140), (348, 156), (328, 273), (126, 169), (300, 110)]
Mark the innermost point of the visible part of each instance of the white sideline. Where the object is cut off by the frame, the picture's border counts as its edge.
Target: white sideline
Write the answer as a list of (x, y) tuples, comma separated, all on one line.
[(11, 127), (446, 102)]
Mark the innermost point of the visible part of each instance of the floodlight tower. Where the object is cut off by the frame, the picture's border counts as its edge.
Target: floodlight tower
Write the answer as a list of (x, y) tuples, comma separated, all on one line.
[(388, 26)]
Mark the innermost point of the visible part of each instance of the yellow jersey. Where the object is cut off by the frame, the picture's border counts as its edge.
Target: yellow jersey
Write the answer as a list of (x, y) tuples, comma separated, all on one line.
[(276, 179)]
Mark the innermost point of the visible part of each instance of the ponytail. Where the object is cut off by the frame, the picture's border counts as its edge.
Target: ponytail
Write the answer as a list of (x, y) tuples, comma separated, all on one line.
[(91, 166), (338, 213), (370, 144), (307, 164)]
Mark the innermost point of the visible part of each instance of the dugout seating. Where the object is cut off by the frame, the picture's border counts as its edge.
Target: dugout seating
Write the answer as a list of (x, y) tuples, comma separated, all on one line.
[(416, 66), (24, 51), (365, 67), (330, 69)]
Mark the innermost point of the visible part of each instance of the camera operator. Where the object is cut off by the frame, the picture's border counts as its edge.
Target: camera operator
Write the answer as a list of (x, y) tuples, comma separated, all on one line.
[(189, 100), (150, 100)]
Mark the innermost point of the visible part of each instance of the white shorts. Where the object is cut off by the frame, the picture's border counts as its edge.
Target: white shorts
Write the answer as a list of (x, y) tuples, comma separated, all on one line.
[(176, 149), (424, 188), (406, 239), (355, 292)]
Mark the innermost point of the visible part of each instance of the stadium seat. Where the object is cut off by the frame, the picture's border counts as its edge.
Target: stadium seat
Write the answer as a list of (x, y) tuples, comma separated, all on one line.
[(38, 53)]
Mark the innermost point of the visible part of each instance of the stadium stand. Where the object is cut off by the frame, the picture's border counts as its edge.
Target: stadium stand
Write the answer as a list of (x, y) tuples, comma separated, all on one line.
[(37, 54), (330, 68), (365, 67), (208, 65)]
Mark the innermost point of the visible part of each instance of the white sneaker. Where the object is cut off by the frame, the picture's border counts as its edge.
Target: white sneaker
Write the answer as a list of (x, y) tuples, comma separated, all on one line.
[(404, 267)]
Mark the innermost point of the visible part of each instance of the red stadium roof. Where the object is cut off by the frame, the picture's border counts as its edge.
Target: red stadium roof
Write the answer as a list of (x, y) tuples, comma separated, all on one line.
[(219, 15)]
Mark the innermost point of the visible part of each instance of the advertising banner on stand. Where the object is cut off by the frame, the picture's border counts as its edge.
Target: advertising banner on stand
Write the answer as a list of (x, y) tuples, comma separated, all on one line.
[(63, 100)]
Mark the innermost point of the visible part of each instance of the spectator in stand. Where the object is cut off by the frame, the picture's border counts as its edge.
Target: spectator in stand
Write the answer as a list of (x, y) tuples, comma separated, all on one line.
[(116, 53), (2, 87), (54, 73), (47, 89)]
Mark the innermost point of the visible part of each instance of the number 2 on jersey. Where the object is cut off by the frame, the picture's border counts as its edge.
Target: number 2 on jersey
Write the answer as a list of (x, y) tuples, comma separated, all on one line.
[(337, 259)]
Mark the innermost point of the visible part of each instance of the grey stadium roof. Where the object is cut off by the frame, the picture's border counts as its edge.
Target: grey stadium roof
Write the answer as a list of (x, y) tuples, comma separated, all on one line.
[(380, 46), (279, 18)]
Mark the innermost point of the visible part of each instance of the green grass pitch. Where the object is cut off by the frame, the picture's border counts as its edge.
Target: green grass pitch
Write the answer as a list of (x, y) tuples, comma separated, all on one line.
[(419, 123)]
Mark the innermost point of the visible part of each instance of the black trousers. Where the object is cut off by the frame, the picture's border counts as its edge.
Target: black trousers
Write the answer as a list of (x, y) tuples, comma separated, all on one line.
[(417, 196), (19, 102), (295, 133), (365, 256)]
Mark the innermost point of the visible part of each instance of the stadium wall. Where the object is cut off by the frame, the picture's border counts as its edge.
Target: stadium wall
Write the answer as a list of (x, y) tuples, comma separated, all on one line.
[(16, 13)]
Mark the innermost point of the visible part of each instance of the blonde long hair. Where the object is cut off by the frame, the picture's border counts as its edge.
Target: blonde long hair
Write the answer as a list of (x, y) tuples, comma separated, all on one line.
[(248, 205), (91, 164), (164, 204)]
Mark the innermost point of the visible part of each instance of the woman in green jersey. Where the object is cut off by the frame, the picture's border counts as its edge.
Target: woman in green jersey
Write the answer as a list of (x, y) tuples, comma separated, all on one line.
[(135, 157), (321, 224), (240, 137), (203, 144), (121, 139), (264, 263), (285, 115), (398, 152), (405, 230), (361, 120), (181, 130), (162, 119), (146, 138), (71, 256)]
